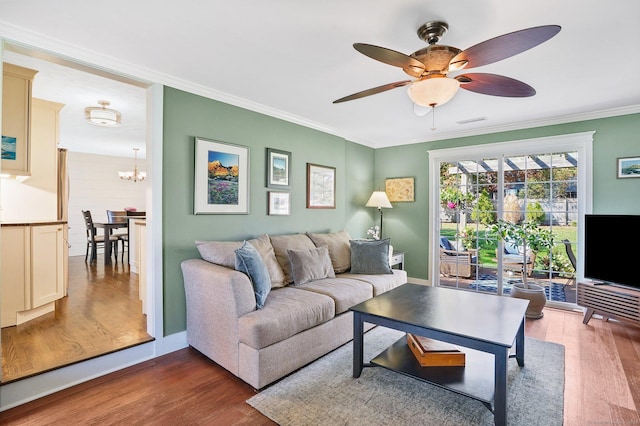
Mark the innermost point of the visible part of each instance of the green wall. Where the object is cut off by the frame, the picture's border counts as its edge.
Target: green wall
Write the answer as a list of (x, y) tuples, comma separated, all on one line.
[(407, 223), (359, 170), (187, 116)]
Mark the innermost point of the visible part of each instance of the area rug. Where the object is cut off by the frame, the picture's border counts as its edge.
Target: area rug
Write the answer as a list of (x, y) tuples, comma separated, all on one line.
[(553, 291), (325, 392)]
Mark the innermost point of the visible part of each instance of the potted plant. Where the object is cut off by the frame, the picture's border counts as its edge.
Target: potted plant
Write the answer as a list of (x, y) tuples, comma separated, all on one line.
[(527, 236)]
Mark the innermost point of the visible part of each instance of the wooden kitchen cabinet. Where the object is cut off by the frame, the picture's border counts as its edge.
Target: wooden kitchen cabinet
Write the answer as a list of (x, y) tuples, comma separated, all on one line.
[(16, 119), (33, 270)]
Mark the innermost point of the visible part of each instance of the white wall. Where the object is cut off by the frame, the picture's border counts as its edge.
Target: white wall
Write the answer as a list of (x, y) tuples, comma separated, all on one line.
[(94, 185)]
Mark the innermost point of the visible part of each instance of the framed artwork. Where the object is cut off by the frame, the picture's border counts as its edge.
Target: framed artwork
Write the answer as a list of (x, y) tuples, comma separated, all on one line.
[(400, 190), (321, 187), (628, 167), (279, 204), (221, 178), (278, 169)]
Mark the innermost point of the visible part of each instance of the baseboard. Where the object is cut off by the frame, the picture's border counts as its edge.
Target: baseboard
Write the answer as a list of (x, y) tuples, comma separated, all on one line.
[(172, 343), (32, 388), (418, 281)]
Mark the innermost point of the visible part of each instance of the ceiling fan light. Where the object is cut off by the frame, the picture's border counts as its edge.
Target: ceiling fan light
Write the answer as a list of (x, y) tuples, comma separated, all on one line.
[(102, 116), (433, 91)]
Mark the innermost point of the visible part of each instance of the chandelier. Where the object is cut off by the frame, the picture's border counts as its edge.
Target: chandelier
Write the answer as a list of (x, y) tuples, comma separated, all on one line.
[(102, 116), (134, 175)]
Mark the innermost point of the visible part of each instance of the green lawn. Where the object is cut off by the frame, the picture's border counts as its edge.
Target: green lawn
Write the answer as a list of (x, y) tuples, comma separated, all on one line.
[(487, 247)]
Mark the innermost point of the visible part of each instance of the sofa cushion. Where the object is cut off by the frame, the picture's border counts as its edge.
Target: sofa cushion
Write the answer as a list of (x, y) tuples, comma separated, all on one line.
[(379, 282), (263, 245), (287, 312), (339, 250), (281, 243), (249, 261), (219, 252), (345, 291), (310, 264), (370, 257)]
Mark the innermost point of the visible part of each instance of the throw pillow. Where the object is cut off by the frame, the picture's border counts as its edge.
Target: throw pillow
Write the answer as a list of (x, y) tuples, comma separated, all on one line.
[(309, 265), (281, 243), (370, 257), (249, 261), (219, 252), (264, 247), (338, 245)]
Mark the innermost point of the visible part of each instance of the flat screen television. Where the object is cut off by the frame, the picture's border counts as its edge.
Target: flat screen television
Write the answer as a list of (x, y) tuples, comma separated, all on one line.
[(611, 249)]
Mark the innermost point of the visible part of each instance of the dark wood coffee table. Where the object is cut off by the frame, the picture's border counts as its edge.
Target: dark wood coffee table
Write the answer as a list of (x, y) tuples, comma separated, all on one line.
[(484, 325)]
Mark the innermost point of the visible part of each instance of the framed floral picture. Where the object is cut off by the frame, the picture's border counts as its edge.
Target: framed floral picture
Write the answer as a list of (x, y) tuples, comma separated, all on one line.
[(279, 204), (278, 169), (321, 187), (628, 167), (221, 178)]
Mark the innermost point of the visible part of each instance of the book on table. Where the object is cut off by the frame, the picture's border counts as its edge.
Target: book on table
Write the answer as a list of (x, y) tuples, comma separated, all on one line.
[(434, 353)]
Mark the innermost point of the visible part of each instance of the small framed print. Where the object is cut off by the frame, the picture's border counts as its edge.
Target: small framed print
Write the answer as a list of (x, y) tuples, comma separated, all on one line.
[(221, 178), (278, 172), (321, 187), (628, 167), (400, 190), (279, 204)]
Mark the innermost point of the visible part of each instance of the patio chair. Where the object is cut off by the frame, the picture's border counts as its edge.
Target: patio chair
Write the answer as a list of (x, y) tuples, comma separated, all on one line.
[(572, 259), (512, 258), (458, 263)]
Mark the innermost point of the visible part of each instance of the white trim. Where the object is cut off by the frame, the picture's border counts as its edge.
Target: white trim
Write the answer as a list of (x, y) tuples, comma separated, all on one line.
[(580, 142), (25, 390)]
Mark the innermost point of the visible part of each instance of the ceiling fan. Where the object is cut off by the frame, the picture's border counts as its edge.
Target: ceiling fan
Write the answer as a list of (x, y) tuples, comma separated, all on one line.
[(431, 65)]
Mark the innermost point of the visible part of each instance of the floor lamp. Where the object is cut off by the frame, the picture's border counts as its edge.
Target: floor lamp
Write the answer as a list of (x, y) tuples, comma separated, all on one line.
[(379, 200)]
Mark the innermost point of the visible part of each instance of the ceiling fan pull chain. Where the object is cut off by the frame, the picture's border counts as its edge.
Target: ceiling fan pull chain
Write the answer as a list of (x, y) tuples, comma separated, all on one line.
[(433, 116)]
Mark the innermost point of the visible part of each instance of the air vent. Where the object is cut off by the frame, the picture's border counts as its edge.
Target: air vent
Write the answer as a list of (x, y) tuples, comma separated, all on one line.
[(471, 120)]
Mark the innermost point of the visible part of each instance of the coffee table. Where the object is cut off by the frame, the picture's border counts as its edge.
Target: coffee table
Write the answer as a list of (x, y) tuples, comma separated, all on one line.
[(485, 326)]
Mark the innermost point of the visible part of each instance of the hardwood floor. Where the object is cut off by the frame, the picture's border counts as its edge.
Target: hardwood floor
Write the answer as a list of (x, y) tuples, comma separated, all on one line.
[(602, 385), (100, 315)]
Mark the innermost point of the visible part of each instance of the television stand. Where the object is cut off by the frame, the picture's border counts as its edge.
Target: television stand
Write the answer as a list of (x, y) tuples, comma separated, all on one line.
[(610, 301)]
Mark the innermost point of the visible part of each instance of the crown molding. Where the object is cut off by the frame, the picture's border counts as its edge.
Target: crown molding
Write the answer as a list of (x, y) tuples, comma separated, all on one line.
[(125, 71)]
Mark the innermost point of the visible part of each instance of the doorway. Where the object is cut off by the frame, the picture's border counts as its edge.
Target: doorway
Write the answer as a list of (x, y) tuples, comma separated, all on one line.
[(54, 74), (543, 182)]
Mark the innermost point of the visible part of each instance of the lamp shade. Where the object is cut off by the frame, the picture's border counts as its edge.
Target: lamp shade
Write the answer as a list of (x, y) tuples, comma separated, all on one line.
[(433, 91), (379, 199)]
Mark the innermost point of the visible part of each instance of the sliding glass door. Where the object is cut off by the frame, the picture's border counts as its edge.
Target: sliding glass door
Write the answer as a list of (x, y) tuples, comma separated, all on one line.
[(531, 187)]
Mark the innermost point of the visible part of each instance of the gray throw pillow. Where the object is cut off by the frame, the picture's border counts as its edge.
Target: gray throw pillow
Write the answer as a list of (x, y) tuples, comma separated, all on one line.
[(370, 257), (309, 265), (249, 261)]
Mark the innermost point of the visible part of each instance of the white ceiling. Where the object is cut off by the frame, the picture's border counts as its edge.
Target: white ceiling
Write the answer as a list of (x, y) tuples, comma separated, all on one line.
[(291, 59)]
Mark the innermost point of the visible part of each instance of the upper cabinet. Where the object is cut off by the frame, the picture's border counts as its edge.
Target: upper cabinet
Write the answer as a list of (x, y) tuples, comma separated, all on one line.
[(16, 119)]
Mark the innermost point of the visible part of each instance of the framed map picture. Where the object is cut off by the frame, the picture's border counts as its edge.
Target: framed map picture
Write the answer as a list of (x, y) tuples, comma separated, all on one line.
[(400, 190)]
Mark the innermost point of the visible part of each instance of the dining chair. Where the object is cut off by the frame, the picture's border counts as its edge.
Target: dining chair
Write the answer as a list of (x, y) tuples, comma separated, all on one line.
[(120, 216), (94, 240)]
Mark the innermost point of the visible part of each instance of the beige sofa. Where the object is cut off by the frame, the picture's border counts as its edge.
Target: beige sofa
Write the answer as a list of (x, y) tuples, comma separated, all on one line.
[(301, 319)]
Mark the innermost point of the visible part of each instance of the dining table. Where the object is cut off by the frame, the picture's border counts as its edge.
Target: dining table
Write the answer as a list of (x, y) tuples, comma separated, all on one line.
[(108, 227)]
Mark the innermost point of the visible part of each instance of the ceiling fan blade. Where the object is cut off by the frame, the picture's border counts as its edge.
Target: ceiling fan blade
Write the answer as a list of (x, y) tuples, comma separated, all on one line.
[(495, 85), (389, 56), (505, 46), (372, 91)]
